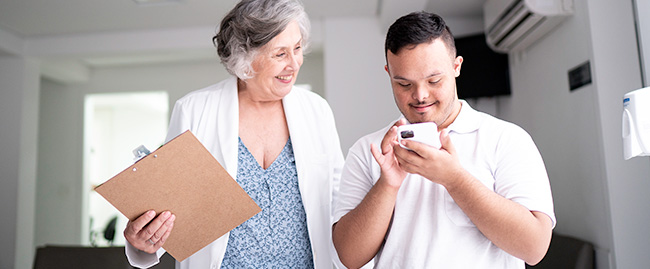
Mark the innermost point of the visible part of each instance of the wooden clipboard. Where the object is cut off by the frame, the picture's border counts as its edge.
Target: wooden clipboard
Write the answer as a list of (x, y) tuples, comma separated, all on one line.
[(184, 178)]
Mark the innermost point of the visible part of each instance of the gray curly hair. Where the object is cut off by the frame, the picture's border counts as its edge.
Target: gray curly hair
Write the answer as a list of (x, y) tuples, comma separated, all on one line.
[(250, 25)]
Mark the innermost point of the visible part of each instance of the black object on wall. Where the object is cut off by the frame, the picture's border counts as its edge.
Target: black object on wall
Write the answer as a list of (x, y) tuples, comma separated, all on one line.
[(484, 73), (579, 76)]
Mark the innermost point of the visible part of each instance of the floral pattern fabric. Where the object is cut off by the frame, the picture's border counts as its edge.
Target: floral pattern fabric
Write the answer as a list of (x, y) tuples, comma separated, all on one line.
[(277, 237)]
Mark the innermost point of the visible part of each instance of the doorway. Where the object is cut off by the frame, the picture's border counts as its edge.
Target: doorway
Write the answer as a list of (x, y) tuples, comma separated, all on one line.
[(114, 125)]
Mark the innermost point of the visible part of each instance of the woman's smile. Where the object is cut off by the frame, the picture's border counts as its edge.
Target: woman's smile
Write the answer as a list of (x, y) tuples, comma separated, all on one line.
[(285, 78)]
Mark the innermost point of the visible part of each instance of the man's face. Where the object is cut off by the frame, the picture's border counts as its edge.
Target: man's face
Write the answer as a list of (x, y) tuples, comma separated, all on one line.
[(424, 82)]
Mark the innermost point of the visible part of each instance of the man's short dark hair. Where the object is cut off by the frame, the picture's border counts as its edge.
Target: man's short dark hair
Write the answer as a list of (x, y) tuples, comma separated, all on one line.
[(417, 28)]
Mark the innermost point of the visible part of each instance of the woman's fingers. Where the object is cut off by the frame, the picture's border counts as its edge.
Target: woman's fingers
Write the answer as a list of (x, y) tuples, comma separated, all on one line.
[(170, 224), (165, 228), (134, 227), (148, 232)]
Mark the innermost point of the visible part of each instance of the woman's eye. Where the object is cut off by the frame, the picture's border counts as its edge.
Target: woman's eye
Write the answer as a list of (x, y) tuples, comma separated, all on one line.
[(280, 55)]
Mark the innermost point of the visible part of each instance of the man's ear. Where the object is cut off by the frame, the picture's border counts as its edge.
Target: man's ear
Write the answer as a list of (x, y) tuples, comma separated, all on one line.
[(457, 63), (386, 68)]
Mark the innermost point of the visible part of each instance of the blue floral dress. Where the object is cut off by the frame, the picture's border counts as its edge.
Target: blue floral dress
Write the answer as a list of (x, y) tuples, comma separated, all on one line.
[(277, 237)]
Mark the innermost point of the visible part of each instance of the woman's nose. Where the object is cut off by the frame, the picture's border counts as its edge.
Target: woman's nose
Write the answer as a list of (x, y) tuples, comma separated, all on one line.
[(293, 63)]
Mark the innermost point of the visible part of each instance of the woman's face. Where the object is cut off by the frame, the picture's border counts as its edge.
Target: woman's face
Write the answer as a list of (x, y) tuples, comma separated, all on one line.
[(276, 65)]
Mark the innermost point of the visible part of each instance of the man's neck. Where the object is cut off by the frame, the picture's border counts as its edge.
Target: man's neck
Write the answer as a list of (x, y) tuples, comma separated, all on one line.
[(452, 117)]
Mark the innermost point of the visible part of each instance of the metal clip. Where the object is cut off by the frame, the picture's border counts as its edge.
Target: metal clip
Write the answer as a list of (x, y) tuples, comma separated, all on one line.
[(140, 152)]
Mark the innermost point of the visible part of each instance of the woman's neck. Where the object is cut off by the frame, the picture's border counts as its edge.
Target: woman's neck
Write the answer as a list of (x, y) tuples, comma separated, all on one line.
[(251, 99)]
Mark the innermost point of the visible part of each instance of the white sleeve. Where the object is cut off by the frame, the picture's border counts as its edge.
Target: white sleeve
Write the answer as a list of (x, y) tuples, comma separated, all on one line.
[(141, 259), (521, 175), (356, 179), (359, 174), (179, 121)]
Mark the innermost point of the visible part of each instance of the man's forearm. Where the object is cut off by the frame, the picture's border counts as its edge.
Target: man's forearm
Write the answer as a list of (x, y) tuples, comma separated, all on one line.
[(509, 225), (359, 234)]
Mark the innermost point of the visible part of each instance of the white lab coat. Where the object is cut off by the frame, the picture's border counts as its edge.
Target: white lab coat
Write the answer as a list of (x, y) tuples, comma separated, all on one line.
[(212, 114)]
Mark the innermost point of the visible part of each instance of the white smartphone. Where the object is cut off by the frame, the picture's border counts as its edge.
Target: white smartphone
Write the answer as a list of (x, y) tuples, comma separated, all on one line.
[(426, 132)]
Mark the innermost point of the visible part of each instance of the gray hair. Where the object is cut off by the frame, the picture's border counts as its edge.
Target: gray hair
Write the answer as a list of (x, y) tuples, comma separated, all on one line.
[(250, 25)]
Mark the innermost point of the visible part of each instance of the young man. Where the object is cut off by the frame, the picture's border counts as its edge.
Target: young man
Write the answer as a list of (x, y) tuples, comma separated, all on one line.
[(482, 200)]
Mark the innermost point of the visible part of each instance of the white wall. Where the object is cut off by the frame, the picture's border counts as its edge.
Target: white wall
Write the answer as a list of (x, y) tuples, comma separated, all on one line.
[(356, 84), (598, 196), (10, 44), (564, 126), (312, 71), (59, 185), (643, 20), (616, 69), (18, 118)]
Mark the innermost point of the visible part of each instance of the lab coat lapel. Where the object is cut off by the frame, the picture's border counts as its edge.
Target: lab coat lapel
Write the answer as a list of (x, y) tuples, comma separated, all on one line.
[(313, 172), (228, 126), (299, 136)]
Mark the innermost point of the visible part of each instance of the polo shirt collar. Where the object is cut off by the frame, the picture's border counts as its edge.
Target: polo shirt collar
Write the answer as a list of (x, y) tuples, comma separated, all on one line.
[(467, 121)]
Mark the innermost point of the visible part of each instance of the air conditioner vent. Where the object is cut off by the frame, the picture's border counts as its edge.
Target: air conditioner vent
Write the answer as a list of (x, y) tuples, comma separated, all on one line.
[(512, 25)]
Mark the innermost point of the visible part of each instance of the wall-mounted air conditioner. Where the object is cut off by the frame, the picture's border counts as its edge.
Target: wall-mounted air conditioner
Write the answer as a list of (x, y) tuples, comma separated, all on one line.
[(512, 25)]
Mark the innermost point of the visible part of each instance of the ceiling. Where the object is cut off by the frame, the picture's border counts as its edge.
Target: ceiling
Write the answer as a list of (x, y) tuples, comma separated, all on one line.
[(28, 18), (45, 24)]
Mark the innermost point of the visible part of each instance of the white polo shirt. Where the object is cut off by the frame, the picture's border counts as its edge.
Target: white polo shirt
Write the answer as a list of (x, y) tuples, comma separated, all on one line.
[(428, 229)]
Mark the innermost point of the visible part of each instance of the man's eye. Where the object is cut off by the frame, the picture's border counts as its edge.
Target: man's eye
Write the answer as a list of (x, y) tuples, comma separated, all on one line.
[(434, 81), (404, 84), (280, 55), (298, 47)]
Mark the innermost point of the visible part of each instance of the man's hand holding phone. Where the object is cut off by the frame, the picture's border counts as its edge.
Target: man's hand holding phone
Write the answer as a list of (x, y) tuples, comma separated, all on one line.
[(426, 132)]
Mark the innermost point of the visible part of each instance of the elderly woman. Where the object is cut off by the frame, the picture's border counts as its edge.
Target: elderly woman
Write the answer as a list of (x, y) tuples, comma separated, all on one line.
[(278, 141)]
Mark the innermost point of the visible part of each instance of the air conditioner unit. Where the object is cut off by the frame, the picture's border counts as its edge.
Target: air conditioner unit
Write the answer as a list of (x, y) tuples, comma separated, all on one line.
[(512, 25)]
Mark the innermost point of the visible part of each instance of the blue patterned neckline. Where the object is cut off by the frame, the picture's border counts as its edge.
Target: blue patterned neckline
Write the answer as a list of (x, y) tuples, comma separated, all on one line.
[(285, 148)]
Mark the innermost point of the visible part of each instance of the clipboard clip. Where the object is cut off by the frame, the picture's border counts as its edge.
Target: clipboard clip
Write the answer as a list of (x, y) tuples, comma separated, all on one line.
[(140, 152)]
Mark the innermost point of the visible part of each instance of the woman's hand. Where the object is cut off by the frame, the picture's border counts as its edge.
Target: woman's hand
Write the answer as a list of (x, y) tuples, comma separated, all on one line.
[(148, 234)]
